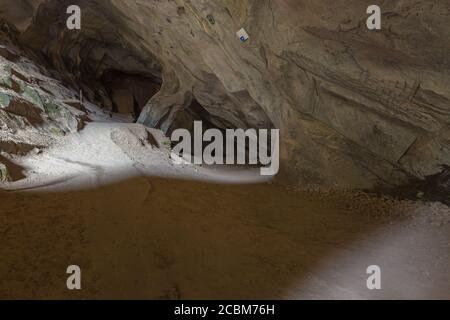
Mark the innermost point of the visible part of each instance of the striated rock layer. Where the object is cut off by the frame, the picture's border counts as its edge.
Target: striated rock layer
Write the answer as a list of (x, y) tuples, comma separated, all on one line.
[(356, 108), (35, 108)]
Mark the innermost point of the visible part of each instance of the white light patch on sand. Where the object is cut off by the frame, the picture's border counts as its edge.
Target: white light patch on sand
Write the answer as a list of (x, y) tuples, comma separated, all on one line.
[(92, 158)]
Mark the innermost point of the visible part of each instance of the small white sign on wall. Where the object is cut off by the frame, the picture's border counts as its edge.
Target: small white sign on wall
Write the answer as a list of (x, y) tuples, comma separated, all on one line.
[(243, 35)]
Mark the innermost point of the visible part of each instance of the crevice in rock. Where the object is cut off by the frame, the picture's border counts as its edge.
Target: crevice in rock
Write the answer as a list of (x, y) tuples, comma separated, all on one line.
[(433, 188)]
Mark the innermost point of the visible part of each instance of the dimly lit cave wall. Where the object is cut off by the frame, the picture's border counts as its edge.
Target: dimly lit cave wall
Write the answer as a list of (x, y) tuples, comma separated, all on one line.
[(356, 108), (109, 69)]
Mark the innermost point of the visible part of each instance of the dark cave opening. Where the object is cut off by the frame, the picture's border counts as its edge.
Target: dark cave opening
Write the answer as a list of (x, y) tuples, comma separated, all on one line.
[(126, 93)]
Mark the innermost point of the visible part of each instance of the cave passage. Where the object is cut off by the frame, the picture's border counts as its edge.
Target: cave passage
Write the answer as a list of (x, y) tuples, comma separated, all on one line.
[(126, 93)]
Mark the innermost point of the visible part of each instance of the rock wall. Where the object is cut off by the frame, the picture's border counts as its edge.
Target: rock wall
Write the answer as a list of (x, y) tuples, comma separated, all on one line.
[(33, 104), (356, 108)]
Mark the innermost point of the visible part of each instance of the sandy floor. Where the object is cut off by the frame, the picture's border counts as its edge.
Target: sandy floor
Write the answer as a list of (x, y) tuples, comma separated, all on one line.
[(140, 227)]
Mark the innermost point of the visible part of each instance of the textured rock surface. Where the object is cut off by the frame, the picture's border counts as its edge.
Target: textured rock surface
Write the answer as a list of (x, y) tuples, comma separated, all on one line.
[(3, 173), (356, 108), (34, 107), (9, 171)]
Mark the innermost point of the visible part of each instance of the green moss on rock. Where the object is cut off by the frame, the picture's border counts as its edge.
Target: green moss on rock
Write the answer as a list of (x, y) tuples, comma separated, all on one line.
[(30, 94), (52, 110), (5, 77), (4, 100)]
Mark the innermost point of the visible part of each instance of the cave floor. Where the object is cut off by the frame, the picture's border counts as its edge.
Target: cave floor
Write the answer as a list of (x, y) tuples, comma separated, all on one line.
[(191, 233)]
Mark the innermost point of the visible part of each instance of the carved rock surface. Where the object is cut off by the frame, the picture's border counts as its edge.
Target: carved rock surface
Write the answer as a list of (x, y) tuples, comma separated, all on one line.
[(356, 108)]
